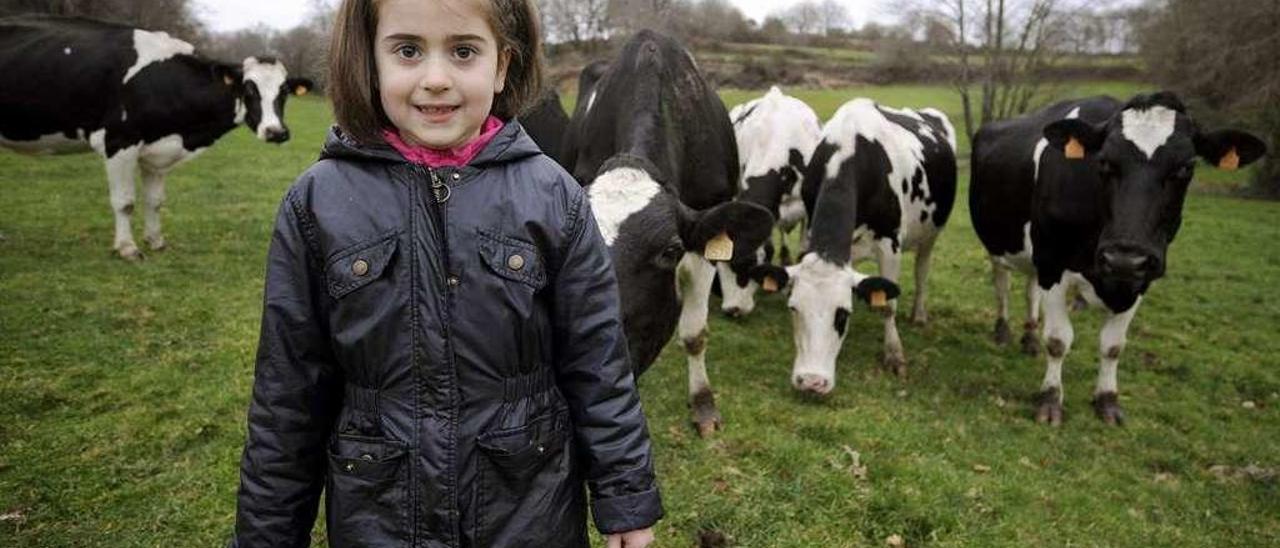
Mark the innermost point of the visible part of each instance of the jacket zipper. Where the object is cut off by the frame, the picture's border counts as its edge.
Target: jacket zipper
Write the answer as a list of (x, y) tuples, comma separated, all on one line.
[(440, 194)]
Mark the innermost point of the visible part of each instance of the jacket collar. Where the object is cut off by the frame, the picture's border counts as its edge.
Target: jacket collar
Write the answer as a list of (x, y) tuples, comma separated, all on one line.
[(511, 144)]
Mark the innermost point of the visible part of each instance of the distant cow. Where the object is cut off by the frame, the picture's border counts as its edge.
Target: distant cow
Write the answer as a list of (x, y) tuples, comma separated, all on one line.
[(776, 134), (881, 182), (547, 123), (652, 142), (141, 99), (1092, 190)]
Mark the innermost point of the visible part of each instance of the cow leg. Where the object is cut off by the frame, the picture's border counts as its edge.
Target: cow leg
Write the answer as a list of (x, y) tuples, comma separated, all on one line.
[(890, 267), (1058, 336), (153, 186), (694, 275), (1106, 401), (1031, 341), (121, 172), (924, 255), (1000, 280)]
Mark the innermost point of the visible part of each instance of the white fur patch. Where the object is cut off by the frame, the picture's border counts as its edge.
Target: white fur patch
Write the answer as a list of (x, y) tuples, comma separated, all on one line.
[(1148, 129), (777, 124), (591, 101), (617, 195), (153, 47), (165, 153), (818, 289)]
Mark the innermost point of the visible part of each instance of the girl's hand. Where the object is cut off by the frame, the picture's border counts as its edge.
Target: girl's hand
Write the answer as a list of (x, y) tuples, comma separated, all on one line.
[(638, 538)]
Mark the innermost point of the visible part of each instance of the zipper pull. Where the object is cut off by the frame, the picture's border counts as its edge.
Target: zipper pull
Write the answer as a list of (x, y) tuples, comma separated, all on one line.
[(438, 188)]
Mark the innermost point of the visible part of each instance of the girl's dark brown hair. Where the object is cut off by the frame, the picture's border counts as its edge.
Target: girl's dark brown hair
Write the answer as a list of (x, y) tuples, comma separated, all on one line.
[(353, 73)]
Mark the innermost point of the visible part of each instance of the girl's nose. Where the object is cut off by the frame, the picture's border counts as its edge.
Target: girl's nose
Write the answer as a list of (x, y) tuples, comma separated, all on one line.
[(436, 78)]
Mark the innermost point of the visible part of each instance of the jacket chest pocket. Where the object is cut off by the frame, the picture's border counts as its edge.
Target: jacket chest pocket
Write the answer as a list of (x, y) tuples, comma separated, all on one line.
[(360, 265), (517, 267)]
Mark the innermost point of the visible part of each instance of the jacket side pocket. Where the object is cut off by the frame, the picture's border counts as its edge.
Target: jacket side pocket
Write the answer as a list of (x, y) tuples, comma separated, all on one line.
[(528, 491), (365, 495)]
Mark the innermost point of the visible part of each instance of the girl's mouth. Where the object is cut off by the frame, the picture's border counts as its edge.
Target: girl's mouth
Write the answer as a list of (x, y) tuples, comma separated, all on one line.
[(438, 113)]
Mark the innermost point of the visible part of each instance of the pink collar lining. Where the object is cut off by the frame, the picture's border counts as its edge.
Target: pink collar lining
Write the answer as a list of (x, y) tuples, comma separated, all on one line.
[(453, 157)]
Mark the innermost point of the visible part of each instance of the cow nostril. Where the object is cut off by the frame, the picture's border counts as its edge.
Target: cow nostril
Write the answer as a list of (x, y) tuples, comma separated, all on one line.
[(733, 312)]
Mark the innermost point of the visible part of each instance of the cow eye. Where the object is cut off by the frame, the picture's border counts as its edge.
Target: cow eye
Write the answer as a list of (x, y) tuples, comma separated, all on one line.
[(1185, 171), (1107, 169), (670, 256)]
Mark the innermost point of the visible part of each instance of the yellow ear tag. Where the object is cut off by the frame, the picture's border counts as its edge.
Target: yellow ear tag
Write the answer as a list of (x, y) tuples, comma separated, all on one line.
[(770, 285), (879, 299), (228, 80), (300, 91), (719, 248), (1229, 161), (1074, 150)]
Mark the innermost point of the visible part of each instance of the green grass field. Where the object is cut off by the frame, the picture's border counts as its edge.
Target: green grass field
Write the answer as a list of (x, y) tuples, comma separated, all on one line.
[(123, 387)]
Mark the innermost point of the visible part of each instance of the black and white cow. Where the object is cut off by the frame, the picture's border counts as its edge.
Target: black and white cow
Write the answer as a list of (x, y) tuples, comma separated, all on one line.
[(776, 134), (653, 143), (881, 182), (546, 123), (141, 99), (1099, 188)]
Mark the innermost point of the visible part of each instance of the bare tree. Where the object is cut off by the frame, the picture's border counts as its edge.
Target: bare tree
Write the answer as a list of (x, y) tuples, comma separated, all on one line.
[(575, 21), (173, 16), (1003, 48), (1221, 57)]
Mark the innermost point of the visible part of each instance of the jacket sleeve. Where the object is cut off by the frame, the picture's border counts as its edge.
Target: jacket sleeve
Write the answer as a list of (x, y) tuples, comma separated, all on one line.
[(296, 395), (594, 374)]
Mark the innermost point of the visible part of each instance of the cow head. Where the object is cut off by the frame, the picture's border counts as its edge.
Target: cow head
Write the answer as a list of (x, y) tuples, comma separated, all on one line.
[(1144, 157), (262, 86), (769, 186), (821, 298), (649, 231)]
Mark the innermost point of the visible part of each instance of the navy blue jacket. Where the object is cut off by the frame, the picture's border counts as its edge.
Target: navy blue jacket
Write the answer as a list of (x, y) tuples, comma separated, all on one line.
[(442, 355)]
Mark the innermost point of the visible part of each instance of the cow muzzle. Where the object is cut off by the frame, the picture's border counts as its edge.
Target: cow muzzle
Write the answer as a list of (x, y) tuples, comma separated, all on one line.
[(275, 135), (1128, 262), (813, 384)]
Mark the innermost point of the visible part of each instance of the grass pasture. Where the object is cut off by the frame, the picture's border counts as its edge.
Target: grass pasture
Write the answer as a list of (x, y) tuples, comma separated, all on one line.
[(123, 387)]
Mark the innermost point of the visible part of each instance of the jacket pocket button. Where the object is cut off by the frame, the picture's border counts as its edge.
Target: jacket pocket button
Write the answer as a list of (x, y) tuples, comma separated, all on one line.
[(351, 466), (360, 267), (515, 262), (366, 457)]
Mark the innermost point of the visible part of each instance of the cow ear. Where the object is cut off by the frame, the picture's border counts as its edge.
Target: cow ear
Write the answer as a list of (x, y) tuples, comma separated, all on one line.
[(1075, 137), (230, 75), (1229, 148), (876, 291), (742, 226), (771, 277), (299, 86)]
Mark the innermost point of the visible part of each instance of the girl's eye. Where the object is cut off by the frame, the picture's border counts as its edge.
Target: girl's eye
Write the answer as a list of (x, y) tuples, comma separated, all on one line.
[(407, 51), (464, 52)]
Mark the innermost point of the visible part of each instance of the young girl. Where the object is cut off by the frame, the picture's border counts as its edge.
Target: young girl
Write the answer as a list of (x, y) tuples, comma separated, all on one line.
[(441, 348)]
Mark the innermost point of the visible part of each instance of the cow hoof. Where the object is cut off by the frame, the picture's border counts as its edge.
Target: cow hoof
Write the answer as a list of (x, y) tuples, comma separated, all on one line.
[(1002, 334), (130, 252), (896, 364), (1030, 344), (1049, 407), (1107, 406), (706, 418), (157, 243)]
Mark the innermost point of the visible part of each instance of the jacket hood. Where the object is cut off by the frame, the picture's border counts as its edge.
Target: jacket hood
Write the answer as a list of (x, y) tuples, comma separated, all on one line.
[(511, 144)]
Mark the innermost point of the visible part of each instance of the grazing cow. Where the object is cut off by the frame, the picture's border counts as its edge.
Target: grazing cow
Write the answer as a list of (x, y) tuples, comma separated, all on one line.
[(546, 123), (1092, 190), (881, 182), (141, 99), (775, 135), (653, 144)]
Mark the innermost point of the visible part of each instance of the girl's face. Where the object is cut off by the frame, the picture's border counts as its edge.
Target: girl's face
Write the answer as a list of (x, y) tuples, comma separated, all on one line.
[(439, 66)]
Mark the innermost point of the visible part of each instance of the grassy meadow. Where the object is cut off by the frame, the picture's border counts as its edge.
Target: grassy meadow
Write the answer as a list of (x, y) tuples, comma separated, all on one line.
[(123, 387)]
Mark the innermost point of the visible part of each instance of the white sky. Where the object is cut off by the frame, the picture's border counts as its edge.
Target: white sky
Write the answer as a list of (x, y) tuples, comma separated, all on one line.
[(226, 15)]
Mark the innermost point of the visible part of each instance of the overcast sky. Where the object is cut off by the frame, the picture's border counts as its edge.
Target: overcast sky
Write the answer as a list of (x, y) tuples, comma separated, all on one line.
[(225, 15)]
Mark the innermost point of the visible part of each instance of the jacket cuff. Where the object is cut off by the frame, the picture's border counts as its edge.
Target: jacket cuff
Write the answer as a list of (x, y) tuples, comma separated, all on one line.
[(627, 512)]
